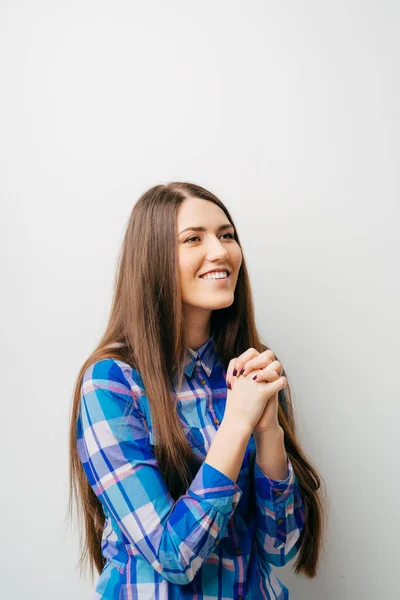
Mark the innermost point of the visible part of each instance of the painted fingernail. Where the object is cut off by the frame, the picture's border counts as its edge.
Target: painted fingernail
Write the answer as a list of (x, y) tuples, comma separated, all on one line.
[(242, 371), (234, 372), (255, 377), (228, 383)]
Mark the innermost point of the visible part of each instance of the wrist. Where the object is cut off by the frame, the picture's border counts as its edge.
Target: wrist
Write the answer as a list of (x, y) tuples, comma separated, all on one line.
[(236, 428), (274, 431), (271, 455)]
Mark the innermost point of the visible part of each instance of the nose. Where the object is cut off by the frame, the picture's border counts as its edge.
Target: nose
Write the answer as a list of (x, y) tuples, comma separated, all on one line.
[(216, 250)]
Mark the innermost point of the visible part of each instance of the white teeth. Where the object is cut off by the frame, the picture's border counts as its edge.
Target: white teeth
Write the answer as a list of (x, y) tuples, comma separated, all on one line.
[(216, 275)]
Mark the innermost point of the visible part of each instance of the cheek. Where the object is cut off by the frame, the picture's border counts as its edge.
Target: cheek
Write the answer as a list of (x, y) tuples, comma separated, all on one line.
[(237, 256), (187, 267)]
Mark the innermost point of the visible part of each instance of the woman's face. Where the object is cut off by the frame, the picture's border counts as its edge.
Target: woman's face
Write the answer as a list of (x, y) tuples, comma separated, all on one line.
[(203, 251)]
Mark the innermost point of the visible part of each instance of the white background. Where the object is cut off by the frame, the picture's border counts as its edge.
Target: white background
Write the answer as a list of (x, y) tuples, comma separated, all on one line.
[(289, 111)]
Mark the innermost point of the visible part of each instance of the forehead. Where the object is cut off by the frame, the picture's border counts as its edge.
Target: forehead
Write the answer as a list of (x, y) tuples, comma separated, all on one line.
[(195, 212)]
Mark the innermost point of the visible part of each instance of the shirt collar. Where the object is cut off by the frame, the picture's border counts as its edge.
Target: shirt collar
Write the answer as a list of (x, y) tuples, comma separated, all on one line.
[(206, 354)]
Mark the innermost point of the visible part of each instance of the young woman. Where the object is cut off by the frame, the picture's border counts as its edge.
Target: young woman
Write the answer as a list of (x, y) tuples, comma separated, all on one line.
[(184, 457)]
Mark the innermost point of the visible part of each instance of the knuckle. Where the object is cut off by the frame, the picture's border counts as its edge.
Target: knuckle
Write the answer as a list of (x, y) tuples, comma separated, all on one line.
[(251, 363), (231, 365)]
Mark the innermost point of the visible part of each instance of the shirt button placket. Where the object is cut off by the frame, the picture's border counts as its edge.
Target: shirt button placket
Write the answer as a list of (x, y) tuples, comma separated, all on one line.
[(238, 552), (202, 381)]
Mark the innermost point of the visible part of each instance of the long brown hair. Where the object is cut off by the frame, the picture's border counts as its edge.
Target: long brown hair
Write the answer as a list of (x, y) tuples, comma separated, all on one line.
[(146, 325)]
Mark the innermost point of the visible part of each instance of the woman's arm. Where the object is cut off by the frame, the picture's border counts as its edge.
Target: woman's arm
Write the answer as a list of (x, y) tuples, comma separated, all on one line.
[(114, 447), (228, 448), (271, 453), (279, 506)]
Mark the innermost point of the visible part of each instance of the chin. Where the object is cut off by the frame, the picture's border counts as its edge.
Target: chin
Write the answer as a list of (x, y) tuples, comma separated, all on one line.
[(209, 301), (217, 304)]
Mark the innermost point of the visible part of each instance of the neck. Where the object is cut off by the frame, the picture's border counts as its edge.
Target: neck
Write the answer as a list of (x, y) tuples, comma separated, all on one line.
[(198, 327)]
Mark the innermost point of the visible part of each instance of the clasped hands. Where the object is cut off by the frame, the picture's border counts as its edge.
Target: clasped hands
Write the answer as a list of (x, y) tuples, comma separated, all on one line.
[(263, 368)]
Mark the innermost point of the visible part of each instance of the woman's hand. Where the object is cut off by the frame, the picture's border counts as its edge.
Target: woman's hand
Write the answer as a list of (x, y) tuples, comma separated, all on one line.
[(264, 368), (247, 400)]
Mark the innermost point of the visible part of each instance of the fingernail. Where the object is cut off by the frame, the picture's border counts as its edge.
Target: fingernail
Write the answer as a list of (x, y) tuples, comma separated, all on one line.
[(234, 372), (228, 383), (242, 371), (255, 377)]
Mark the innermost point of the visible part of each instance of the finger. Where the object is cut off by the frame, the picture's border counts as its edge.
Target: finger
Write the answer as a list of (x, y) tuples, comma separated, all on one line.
[(265, 375), (241, 360), (276, 366), (259, 362), (275, 386), (229, 373)]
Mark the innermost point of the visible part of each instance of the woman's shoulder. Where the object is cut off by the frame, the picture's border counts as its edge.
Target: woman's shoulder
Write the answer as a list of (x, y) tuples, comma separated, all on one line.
[(111, 388), (109, 371)]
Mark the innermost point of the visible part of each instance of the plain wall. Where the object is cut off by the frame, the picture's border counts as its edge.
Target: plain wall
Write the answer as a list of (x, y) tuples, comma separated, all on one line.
[(290, 113)]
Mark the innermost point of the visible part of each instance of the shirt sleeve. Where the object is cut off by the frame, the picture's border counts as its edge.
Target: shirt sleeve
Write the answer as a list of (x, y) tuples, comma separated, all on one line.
[(175, 537), (279, 516)]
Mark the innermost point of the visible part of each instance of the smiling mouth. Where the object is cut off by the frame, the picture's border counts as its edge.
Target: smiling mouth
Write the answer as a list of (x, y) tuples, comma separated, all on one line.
[(205, 278)]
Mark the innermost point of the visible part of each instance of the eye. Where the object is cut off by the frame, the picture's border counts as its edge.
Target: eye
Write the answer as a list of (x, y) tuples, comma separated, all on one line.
[(194, 237)]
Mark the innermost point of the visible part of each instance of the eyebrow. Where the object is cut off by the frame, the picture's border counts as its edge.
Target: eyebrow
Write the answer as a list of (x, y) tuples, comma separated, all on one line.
[(220, 228)]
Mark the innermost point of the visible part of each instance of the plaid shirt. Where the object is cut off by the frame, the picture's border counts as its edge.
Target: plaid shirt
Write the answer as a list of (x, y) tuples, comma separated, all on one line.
[(218, 540)]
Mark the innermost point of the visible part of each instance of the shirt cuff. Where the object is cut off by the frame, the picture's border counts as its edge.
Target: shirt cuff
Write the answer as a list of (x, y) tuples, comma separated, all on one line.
[(270, 489), (216, 488)]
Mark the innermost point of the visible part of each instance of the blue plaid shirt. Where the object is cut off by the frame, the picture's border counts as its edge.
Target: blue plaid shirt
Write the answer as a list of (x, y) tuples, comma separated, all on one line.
[(216, 542)]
